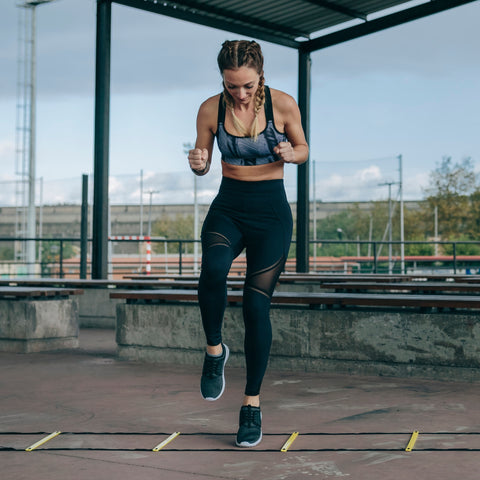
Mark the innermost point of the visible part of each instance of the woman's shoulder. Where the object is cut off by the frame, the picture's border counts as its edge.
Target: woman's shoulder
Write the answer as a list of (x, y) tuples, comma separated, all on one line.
[(208, 112), (210, 104), (282, 101)]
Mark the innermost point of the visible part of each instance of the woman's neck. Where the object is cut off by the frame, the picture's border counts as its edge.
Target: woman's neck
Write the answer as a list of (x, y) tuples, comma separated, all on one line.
[(243, 108)]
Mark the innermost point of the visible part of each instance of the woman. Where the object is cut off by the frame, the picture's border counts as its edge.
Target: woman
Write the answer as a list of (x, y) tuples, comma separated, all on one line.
[(258, 130)]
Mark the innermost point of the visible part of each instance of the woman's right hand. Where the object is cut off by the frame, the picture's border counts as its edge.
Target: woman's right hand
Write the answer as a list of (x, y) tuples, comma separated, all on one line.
[(198, 158)]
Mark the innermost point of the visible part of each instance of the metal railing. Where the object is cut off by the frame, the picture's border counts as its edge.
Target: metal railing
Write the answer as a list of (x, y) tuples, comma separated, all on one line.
[(60, 257)]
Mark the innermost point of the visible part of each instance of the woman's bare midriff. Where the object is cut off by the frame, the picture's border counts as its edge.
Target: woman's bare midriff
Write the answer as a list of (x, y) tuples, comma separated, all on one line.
[(253, 173)]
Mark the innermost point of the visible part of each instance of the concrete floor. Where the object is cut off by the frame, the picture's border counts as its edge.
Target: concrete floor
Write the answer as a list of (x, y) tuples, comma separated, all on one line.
[(112, 413)]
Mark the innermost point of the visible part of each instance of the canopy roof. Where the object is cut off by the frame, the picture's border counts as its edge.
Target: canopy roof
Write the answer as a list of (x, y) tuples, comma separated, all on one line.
[(306, 25), (300, 24)]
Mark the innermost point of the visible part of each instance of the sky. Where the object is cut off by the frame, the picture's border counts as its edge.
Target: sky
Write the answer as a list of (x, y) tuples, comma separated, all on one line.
[(410, 91)]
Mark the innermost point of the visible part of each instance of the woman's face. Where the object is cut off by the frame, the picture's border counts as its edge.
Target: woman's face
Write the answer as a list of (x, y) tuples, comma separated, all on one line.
[(242, 84)]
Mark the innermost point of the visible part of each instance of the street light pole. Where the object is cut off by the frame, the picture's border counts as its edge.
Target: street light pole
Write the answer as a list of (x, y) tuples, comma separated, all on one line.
[(390, 265), (151, 193), (141, 203), (402, 222)]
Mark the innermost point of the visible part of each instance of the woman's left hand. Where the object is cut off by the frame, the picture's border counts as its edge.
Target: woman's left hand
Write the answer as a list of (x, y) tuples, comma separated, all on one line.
[(285, 151)]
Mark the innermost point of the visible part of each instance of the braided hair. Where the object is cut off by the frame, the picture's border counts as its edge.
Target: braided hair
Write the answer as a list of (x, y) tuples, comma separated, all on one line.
[(243, 53)]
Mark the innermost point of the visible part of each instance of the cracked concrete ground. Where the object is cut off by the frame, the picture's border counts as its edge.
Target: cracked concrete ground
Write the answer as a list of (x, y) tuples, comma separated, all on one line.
[(112, 413)]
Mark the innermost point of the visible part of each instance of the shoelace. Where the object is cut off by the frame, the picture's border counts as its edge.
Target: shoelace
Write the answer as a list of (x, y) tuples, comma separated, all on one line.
[(213, 366), (248, 416)]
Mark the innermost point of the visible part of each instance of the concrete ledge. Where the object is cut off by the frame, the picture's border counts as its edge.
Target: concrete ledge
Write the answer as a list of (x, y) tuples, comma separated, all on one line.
[(33, 325), (318, 365), (358, 341), (97, 309)]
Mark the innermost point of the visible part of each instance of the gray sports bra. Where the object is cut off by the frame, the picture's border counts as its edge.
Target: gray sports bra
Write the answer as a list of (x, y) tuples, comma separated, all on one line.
[(245, 150)]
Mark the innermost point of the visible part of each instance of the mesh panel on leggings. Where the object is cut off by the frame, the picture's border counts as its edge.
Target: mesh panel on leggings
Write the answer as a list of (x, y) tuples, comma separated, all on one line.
[(214, 239), (264, 280)]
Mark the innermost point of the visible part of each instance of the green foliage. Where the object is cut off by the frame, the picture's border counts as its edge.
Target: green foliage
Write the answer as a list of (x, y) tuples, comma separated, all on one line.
[(51, 253), (180, 227), (367, 225), (174, 229), (7, 253), (450, 180), (419, 248), (453, 192), (461, 248), (472, 226)]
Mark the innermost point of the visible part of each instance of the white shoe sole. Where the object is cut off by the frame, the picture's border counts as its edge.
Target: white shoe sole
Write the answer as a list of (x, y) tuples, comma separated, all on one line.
[(247, 444)]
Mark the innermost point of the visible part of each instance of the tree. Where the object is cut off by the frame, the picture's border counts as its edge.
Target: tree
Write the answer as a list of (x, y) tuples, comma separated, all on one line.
[(450, 188), (51, 254), (7, 252), (472, 228), (179, 228)]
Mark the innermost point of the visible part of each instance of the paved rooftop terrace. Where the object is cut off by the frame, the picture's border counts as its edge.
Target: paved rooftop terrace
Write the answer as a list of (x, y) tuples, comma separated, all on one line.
[(113, 413)]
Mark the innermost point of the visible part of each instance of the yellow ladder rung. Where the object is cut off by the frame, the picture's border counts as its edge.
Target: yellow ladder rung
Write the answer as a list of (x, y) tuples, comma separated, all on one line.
[(289, 442), (166, 442), (42, 441), (412, 441)]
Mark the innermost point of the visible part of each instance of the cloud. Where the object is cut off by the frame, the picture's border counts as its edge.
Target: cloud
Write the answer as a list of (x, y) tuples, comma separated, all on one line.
[(7, 151), (152, 52), (410, 89), (349, 182), (7, 186), (367, 184)]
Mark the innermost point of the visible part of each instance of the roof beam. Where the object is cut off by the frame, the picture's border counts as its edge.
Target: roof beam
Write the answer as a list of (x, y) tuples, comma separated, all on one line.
[(382, 23), (170, 10), (335, 7), (227, 14)]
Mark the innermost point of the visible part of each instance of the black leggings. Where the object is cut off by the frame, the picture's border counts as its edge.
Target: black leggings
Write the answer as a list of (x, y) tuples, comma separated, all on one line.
[(255, 216)]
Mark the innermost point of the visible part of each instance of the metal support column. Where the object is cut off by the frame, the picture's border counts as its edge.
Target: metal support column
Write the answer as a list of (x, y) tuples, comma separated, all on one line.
[(84, 229), (303, 200), (31, 211), (101, 143)]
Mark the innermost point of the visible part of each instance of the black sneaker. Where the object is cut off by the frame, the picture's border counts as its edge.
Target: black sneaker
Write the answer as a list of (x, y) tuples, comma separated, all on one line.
[(250, 429), (212, 383)]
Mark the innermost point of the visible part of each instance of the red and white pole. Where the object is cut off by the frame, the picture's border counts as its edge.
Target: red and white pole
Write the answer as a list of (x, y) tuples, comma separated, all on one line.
[(147, 239), (149, 256)]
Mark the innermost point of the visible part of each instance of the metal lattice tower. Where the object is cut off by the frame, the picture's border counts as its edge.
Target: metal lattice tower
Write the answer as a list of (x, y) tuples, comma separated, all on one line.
[(25, 218), (23, 126)]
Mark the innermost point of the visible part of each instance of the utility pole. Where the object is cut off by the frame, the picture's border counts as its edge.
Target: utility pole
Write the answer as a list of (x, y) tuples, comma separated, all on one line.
[(141, 203), (151, 193), (402, 222), (390, 263)]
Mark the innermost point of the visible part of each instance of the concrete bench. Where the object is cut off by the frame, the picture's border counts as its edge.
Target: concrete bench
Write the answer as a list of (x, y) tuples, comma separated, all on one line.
[(314, 300), (95, 307), (387, 334), (34, 319), (425, 287), (284, 277)]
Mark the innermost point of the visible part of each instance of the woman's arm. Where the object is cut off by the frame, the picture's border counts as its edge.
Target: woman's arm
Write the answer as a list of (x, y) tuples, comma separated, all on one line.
[(200, 157), (288, 114)]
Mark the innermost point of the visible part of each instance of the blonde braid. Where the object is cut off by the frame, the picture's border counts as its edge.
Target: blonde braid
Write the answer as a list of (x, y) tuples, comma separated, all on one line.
[(259, 103)]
